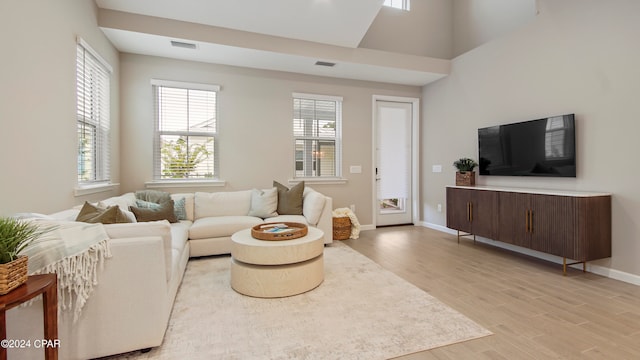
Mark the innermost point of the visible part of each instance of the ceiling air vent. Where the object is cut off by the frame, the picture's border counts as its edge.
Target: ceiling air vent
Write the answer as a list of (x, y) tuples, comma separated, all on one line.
[(184, 45), (325, 63)]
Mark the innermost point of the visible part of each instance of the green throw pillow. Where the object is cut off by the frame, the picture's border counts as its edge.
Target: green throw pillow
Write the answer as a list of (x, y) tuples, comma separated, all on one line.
[(93, 214), (289, 200), (163, 212)]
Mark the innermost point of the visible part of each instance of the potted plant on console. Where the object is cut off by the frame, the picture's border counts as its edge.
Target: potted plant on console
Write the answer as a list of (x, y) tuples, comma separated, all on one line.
[(15, 235), (465, 176)]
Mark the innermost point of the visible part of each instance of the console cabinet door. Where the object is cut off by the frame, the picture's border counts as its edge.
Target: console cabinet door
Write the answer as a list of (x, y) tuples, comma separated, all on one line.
[(473, 211), (484, 207), (513, 218), (458, 209), (553, 224)]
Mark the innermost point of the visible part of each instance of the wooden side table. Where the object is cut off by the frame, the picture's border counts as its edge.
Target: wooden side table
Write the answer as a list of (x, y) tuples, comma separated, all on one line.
[(47, 285)]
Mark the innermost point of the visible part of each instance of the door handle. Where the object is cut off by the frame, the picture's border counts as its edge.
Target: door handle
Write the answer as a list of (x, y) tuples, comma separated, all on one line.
[(471, 212)]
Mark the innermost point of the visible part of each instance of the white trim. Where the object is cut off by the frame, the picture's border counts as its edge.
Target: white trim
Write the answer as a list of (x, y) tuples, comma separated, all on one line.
[(367, 227), (183, 183), (95, 54), (415, 153), (185, 85), (82, 190), (595, 269), (318, 180), (316, 97)]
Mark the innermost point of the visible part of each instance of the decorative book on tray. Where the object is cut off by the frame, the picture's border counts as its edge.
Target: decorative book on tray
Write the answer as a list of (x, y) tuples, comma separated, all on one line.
[(279, 231)]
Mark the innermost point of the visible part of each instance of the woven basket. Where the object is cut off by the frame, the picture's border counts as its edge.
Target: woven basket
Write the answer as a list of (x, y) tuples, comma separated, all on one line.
[(13, 274), (467, 178), (341, 228)]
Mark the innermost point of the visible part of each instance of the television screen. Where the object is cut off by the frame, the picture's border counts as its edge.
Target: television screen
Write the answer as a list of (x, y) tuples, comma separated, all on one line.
[(543, 147)]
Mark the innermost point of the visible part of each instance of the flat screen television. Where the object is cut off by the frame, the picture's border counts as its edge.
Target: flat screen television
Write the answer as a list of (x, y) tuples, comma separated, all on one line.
[(542, 147)]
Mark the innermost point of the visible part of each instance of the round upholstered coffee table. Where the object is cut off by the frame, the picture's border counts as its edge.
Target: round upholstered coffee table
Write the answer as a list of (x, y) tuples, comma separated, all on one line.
[(268, 269)]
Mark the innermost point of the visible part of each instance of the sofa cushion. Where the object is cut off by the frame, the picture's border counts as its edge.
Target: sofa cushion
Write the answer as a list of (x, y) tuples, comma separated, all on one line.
[(289, 200), (219, 226), (179, 234), (232, 203), (152, 228), (287, 218), (93, 214), (312, 205), (264, 203)]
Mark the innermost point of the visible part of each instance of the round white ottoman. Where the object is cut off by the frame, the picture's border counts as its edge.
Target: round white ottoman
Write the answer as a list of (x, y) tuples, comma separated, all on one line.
[(279, 268)]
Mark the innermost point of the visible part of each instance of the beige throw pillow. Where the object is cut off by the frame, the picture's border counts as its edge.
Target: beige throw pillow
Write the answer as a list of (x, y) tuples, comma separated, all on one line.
[(289, 200)]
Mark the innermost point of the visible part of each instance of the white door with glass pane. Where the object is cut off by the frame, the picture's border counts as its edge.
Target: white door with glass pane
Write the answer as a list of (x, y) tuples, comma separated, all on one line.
[(394, 163)]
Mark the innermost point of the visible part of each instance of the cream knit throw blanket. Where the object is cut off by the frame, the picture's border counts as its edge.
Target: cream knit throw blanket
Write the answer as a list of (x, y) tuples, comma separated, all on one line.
[(73, 251), (355, 225)]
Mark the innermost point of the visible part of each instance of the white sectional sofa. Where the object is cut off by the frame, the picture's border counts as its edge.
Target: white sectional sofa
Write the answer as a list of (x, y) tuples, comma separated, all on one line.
[(130, 306)]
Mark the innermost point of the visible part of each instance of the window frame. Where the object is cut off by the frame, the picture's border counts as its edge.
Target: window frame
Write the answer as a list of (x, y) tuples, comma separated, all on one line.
[(337, 139), (157, 153), (398, 4), (93, 112)]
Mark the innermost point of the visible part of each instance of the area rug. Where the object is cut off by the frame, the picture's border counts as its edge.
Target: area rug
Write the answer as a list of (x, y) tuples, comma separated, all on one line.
[(360, 311)]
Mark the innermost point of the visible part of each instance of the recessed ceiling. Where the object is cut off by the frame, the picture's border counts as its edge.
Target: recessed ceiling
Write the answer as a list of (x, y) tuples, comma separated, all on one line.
[(333, 22), (283, 35)]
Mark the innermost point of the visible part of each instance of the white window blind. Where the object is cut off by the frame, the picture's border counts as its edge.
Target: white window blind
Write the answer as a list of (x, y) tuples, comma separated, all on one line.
[(185, 146), (93, 118), (316, 130), (398, 4)]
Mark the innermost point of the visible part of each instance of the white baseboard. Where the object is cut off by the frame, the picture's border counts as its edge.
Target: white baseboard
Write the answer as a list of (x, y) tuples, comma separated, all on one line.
[(596, 269), (367, 227)]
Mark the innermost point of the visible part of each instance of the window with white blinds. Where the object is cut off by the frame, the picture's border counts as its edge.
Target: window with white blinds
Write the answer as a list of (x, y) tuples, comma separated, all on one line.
[(185, 146), (398, 4), (317, 131), (93, 89)]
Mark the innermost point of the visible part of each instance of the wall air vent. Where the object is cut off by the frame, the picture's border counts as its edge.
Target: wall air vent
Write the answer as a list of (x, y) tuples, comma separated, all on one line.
[(184, 45), (325, 63)]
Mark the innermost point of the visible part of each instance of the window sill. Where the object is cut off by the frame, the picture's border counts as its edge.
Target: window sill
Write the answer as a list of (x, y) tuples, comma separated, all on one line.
[(320, 181), (82, 190), (184, 183)]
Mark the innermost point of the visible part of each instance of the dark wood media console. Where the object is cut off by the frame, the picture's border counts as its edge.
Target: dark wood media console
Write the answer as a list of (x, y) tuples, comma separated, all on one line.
[(572, 225)]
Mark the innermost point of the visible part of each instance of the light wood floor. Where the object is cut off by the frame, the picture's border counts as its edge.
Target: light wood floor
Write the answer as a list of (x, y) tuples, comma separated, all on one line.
[(533, 310)]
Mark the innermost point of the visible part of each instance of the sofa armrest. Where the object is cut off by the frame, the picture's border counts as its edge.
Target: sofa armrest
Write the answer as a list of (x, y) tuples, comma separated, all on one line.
[(131, 297), (325, 222)]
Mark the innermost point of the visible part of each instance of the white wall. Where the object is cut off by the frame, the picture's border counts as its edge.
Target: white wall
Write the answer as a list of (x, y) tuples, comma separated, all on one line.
[(255, 119), (476, 22), (577, 56), (426, 30), (38, 147)]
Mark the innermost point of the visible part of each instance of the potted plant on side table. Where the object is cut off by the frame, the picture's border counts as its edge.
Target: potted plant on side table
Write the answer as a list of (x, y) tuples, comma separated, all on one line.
[(15, 235), (465, 176)]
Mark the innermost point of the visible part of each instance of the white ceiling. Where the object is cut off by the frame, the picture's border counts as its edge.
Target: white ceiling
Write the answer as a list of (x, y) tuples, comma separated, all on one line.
[(282, 35), (333, 22)]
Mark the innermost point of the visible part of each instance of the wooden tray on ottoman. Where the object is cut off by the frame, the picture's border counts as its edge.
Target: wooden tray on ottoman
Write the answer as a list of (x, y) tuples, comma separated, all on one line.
[(289, 230)]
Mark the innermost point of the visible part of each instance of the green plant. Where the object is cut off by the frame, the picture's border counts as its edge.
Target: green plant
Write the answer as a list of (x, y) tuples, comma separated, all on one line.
[(15, 235), (465, 164), (181, 159)]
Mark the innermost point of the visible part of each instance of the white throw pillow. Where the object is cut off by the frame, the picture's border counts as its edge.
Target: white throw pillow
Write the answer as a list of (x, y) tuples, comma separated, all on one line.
[(264, 203), (123, 201)]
